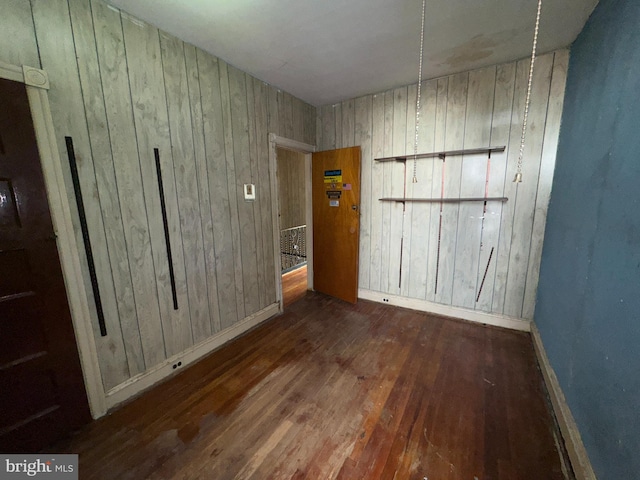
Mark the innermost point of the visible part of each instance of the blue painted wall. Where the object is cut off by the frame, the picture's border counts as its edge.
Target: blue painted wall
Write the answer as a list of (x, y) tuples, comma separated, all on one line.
[(588, 306)]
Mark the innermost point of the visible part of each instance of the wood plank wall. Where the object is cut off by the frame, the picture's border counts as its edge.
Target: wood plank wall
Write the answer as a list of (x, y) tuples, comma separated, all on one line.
[(467, 110), (121, 88), (291, 185)]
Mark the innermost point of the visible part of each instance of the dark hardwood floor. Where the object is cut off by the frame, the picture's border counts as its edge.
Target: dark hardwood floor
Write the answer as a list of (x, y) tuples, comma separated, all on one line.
[(294, 285), (332, 390)]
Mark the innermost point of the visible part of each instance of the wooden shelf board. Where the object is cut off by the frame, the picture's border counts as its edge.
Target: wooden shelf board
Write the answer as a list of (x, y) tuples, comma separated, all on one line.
[(445, 200), (443, 154)]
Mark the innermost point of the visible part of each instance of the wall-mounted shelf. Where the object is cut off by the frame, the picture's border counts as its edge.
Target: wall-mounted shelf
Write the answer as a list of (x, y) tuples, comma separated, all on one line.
[(445, 200), (443, 155)]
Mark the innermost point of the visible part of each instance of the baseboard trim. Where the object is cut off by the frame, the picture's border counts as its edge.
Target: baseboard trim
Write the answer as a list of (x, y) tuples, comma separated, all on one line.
[(504, 321), (578, 456), (138, 384)]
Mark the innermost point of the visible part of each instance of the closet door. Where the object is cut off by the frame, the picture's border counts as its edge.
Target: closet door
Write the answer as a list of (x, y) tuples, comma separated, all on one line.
[(42, 392)]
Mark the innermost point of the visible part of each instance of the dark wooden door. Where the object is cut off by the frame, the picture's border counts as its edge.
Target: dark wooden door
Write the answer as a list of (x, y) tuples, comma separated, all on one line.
[(336, 222), (42, 394)]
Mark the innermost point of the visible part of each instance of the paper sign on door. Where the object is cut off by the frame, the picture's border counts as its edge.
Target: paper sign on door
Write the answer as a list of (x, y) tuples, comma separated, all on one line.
[(333, 176)]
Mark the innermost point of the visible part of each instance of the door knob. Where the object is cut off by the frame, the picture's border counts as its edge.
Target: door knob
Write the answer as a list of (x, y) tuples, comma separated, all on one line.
[(354, 207)]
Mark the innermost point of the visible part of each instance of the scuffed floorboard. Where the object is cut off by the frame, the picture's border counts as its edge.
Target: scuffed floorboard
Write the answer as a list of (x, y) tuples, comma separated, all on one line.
[(294, 285), (331, 390)]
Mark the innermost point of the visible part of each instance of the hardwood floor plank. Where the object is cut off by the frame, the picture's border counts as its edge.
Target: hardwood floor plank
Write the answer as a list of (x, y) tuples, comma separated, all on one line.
[(331, 390), (294, 285)]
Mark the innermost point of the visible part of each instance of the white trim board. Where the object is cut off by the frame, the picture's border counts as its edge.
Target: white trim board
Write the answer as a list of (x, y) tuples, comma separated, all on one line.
[(11, 72), (37, 83), (571, 435), (447, 310), (144, 381), (68, 250)]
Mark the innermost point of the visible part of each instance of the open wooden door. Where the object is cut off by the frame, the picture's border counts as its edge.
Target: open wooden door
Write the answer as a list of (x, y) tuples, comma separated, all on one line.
[(42, 394), (336, 222)]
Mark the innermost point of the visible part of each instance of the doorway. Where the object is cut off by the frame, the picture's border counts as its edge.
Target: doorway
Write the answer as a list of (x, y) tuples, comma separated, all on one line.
[(303, 152), (292, 195)]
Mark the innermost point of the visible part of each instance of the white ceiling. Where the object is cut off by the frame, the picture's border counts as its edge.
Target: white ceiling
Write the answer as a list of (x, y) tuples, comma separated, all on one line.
[(325, 51)]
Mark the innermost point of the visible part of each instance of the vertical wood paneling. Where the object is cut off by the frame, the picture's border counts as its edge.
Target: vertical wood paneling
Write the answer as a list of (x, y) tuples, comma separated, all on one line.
[(467, 110), (274, 120), (288, 115), (232, 186), (285, 114), (435, 238), (310, 120), (348, 123), (291, 184), (514, 244), (319, 139), (545, 178), (281, 123), (298, 125), (421, 235), (142, 44), (377, 207), (213, 123), (124, 148), (58, 56), (525, 199), (263, 185), (510, 189), (253, 164), (404, 281), (328, 128), (337, 130), (193, 84), (242, 163), (387, 191), (500, 132), (17, 34), (218, 187), (125, 314), (363, 124), (187, 190), (121, 88), (472, 184), (398, 119), (454, 140)]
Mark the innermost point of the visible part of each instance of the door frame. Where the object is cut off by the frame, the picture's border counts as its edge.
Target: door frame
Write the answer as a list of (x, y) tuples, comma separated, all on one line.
[(36, 82), (275, 142)]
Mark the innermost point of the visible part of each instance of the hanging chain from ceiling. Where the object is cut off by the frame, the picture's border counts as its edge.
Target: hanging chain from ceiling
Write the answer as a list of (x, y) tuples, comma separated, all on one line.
[(418, 98), (518, 177)]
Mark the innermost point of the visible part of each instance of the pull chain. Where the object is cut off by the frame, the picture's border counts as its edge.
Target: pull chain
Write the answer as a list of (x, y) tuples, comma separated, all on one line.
[(418, 98), (518, 177)]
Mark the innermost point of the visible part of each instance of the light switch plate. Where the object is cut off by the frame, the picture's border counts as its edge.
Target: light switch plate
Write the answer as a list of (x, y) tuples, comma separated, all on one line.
[(249, 192)]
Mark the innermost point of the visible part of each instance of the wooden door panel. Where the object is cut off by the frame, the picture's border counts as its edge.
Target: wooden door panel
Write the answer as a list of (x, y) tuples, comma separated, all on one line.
[(42, 393), (21, 383), (42, 429), (20, 318), (16, 261), (336, 222), (9, 217)]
